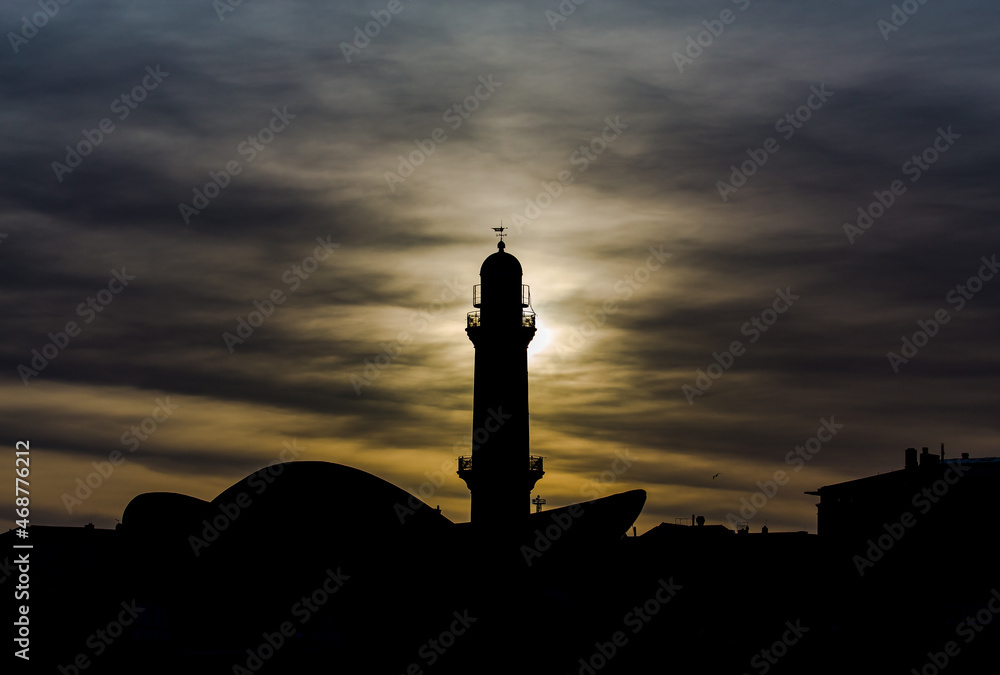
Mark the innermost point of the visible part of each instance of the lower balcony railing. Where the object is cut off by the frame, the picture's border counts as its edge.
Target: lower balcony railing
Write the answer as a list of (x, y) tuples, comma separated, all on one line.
[(535, 464)]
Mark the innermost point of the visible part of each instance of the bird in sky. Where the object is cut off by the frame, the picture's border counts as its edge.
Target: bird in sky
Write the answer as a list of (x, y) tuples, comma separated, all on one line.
[(716, 476)]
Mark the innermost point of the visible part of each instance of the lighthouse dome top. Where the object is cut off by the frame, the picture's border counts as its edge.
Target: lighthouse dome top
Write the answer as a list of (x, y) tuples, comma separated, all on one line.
[(501, 264)]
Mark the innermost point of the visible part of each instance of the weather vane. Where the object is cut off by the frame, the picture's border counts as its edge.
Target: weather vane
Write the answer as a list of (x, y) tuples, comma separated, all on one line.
[(500, 230)]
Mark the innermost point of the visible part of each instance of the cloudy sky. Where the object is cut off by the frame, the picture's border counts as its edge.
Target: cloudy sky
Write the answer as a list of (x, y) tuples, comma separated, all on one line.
[(672, 172)]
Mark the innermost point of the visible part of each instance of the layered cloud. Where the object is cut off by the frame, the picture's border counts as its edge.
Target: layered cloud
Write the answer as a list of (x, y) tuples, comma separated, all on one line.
[(675, 163)]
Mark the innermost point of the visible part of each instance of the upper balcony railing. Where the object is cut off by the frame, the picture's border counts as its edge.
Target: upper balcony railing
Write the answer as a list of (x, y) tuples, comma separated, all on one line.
[(477, 295), (475, 319)]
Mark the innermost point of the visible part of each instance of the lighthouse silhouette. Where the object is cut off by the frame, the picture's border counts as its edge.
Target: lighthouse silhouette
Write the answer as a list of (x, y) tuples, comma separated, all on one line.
[(501, 472)]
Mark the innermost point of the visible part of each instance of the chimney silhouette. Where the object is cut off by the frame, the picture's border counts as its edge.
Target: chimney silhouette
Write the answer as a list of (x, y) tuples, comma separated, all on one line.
[(500, 473)]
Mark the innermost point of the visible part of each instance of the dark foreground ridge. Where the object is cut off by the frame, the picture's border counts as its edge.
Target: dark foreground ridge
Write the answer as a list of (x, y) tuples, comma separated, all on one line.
[(283, 573)]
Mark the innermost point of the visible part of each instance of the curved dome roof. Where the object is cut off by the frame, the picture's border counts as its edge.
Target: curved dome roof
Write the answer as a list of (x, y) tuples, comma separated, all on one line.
[(309, 494), (331, 493), (501, 264), (163, 511)]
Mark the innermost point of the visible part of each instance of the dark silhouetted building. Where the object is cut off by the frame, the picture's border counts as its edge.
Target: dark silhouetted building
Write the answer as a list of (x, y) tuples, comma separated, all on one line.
[(949, 495)]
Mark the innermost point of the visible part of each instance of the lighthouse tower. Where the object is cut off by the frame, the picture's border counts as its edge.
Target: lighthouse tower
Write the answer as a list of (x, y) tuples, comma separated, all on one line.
[(500, 472)]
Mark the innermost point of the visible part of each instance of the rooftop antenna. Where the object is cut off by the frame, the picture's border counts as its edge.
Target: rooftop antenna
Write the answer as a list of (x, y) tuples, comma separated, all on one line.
[(538, 501)]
